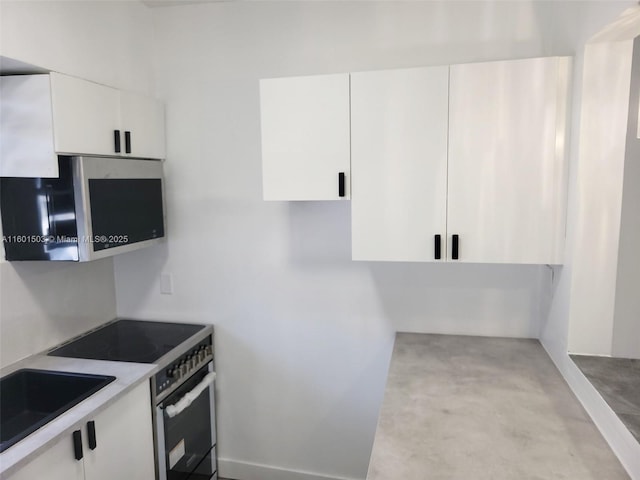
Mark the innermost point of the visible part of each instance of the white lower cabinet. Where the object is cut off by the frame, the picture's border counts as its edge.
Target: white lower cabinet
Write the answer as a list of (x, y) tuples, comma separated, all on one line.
[(124, 440), (123, 447), (56, 463)]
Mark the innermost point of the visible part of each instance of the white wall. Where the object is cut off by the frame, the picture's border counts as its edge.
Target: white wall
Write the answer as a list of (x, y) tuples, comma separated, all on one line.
[(587, 22), (42, 304), (304, 335), (626, 323), (599, 188), (109, 42), (605, 309), (563, 300)]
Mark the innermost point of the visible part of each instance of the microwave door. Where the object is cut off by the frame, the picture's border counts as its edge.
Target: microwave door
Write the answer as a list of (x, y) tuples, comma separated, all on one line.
[(123, 204)]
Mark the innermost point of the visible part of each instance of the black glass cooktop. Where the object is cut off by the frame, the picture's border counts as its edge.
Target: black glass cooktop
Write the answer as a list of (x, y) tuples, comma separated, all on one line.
[(129, 341)]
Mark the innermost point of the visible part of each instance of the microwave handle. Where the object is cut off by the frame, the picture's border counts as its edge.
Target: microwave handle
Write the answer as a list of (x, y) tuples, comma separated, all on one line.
[(178, 407), (50, 211)]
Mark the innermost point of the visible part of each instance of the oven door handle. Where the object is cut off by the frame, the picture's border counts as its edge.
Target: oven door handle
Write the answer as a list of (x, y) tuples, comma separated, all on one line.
[(184, 402)]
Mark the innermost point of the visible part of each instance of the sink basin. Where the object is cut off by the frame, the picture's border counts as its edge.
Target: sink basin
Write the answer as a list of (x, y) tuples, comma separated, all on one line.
[(31, 398)]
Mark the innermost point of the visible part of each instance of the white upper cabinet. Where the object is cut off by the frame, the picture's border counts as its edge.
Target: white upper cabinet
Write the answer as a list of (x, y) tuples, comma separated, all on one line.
[(305, 137), (50, 114), (507, 169), (26, 127), (142, 122), (85, 116), (462, 163), (94, 119), (466, 165), (399, 164)]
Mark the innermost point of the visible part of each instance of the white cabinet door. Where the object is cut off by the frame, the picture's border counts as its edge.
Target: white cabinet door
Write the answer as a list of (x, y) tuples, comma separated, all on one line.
[(85, 116), (143, 118), (399, 163), (305, 137), (124, 439), (50, 114), (56, 463), (26, 127), (507, 171)]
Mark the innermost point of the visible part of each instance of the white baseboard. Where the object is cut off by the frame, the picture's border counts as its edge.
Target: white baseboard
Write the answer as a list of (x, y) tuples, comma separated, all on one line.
[(253, 471), (619, 438)]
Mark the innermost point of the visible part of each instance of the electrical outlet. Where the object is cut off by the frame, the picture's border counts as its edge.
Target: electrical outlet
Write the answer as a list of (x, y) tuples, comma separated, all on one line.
[(166, 284)]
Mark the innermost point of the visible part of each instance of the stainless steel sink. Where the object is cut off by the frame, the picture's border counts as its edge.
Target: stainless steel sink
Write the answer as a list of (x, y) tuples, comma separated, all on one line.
[(31, 398)]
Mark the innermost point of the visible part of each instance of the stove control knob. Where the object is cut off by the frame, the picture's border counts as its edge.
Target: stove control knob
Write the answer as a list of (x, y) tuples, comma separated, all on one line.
[(209, 349), (201, 356), (170, 372)]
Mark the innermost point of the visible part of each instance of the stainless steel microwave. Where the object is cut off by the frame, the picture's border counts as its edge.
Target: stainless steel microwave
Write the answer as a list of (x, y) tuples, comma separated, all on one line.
[(97, 207)]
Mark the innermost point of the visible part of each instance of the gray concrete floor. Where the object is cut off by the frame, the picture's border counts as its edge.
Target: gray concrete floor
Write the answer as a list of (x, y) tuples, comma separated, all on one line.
[(618, 381), (483, 408)]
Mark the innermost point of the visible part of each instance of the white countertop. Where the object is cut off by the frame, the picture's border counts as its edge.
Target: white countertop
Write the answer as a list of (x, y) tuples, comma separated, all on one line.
[(128, 375)]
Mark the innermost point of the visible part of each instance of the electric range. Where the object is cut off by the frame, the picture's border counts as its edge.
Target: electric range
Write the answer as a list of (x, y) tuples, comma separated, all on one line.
[(127, 340), (182, 390)]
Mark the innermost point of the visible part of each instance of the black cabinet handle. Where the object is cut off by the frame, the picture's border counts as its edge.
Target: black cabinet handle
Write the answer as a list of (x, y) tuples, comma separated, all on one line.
[(341, 184), (91, 431), (77, 444), (437, 249), (127, 142), (116, 140), (454, 247)]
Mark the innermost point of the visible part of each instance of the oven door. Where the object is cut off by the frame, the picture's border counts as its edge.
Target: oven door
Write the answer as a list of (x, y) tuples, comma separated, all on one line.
[(187, 431)]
